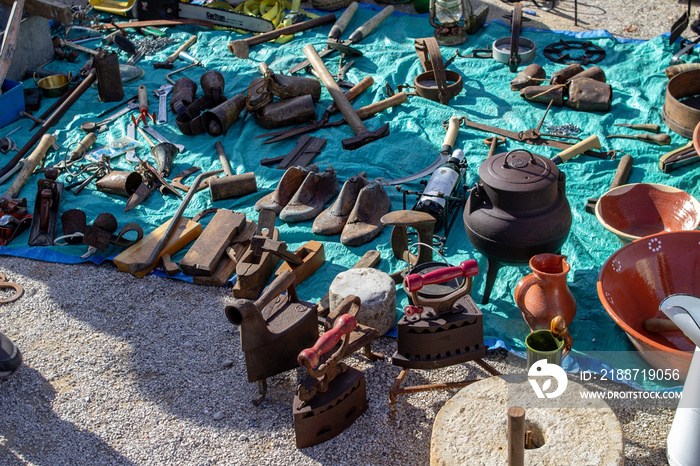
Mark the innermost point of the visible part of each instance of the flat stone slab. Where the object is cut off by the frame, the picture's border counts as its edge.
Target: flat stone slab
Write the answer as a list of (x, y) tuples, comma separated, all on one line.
[(471, 428)]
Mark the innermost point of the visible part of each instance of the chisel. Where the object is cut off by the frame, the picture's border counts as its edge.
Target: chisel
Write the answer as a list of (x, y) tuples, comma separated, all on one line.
[(646, 127), (662, 139)]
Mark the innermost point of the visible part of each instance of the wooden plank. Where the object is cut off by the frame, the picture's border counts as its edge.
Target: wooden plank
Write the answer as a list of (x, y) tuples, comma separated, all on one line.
[(312, 255), (207, 251), (227, 265), (49, 9), (186, 232)]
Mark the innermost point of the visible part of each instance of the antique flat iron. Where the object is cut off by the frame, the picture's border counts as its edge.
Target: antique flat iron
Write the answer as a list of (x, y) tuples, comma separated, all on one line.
[(274, 329), (48, 197), (334, 394), (442, 326)]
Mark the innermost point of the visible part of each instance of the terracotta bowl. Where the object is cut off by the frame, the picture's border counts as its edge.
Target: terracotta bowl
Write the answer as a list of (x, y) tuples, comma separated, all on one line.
[(633, 211), (635, 279)]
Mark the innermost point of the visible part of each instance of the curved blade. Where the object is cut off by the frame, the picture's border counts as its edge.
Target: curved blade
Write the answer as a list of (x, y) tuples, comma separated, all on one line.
[(442, 158)]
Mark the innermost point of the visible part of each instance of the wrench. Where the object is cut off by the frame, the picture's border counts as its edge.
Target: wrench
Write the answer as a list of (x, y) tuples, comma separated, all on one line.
[(162, 93), (131, 132), (150, 130), (101, 126)]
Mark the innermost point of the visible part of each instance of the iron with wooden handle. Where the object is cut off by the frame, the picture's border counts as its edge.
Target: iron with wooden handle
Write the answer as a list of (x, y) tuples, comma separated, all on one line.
[(589, 143), (362, 135), (415, 282), (29, 165), (661, 139), (621, 174), (310, 357)]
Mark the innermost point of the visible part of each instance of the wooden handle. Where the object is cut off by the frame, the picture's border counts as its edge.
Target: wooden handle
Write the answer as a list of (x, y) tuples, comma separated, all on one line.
[(365, 30), (342, 22), (354, 92), (661, 139), (451, 136), (622, 172), (415, 282), (646, 127), (278, 286), (143, 98), (303, 26), (660, 325), (516, 435), (222, 158), (83, 146), (590, 142), (372, 109), (190, 42), (29, 166), (338, 96), (310, 357)]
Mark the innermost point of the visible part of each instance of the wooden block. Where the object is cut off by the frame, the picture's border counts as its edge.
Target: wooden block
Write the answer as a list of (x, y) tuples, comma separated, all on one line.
[(312, 256), (227, 265), (210, 247), (186, 232), (49, 9)]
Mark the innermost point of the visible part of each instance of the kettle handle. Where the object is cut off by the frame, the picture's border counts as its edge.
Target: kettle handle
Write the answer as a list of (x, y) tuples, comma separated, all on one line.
[(476, 197), (521, 289)]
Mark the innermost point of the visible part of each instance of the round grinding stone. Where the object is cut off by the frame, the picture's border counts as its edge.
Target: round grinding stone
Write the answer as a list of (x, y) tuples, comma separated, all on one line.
[(377, 291), (471, 428)]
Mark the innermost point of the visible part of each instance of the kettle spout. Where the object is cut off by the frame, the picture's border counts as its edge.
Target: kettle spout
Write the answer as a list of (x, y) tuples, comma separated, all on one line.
[(684, 311)]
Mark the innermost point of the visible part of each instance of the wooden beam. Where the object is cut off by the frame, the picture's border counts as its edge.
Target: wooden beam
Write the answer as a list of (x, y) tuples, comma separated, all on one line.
[(50, 9)]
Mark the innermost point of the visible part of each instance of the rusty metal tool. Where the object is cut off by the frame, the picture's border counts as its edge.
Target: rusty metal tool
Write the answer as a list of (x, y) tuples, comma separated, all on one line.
[(335, 43), (303, 153), (7, 144), (493, 142), (621, 174), (180, 177), (162, 94), (168, 62), (351, 94), (445, 152), (643, 127), (334, 34), (241, 47), (230, 185), (684, 155), (531, 136), (138, 267), (661, 139)]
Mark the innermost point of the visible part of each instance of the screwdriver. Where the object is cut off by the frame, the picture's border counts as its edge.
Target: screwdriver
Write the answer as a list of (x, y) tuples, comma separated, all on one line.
[(662, 139), (647, 127)]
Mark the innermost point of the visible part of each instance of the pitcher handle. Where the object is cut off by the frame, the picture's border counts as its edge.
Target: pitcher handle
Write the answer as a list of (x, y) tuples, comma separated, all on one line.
[(521, 289)]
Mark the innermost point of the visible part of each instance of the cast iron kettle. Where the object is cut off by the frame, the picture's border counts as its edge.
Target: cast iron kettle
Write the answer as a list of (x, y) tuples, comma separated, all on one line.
[(517, 210)]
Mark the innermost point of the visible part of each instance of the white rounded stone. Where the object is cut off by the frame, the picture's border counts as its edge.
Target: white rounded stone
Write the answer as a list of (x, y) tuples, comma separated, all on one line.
[(471, 428), (376, 290)]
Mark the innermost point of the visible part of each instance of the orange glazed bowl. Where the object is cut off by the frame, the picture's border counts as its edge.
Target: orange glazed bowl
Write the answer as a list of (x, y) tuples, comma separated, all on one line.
[(637, 277), (633, 211)]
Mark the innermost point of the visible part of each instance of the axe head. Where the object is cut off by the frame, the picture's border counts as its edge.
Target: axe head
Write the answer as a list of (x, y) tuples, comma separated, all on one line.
[(365, 137)]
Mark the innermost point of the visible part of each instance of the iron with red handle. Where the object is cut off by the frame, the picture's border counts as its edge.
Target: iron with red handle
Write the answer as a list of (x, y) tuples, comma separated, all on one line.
[(310, 357), (415, 282)]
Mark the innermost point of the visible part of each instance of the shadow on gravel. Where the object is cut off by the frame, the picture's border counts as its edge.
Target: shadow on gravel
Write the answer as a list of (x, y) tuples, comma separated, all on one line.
[(26, 403)]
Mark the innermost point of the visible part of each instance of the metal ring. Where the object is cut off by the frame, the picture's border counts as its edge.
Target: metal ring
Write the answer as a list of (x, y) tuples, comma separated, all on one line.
[(19, 291)]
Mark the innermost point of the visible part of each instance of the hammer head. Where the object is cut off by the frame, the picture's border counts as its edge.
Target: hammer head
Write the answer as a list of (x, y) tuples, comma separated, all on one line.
[(365, 137), (239, 48), (163, 65)]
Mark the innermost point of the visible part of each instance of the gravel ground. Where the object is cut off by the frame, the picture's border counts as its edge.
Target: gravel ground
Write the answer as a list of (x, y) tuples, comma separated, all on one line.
[(120, 370)]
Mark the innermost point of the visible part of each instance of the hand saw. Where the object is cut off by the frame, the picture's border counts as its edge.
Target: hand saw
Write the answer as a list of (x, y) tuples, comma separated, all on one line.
[(169, 9)]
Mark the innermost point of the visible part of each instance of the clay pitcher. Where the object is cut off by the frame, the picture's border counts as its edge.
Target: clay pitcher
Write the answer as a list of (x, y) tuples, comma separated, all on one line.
[(544, 294)]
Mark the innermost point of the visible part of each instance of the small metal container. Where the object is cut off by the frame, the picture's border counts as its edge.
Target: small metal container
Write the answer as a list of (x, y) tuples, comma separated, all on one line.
[(53, 86)]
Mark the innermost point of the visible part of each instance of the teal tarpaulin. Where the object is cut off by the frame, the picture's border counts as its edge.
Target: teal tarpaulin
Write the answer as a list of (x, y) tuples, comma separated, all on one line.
[(634, 69)]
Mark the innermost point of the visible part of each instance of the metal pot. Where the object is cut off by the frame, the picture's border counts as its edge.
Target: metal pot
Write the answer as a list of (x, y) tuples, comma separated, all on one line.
[(517, 210), (53, 86)]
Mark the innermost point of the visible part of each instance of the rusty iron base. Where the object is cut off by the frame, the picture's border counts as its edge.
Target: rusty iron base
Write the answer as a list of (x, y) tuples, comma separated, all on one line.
[(450, 339), (330, 413), (397, 390)]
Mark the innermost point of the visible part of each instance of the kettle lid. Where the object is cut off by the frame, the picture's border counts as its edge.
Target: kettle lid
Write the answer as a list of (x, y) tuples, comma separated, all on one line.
[(518, 170)]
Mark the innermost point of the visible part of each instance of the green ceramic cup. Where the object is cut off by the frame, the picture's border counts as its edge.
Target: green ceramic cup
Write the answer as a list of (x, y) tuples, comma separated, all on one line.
[(541, 344)]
